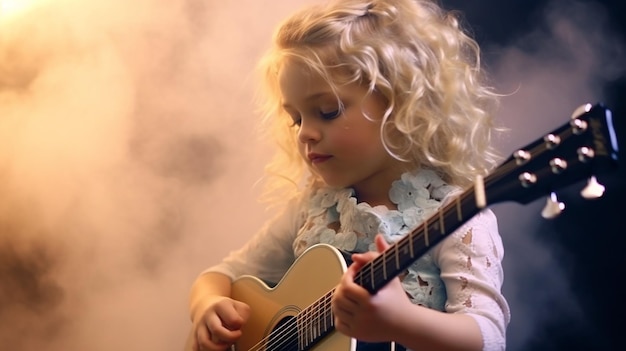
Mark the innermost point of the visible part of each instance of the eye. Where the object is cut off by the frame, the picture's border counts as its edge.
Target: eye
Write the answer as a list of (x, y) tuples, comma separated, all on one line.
[(296, 122), (296, 118), (330, 115)]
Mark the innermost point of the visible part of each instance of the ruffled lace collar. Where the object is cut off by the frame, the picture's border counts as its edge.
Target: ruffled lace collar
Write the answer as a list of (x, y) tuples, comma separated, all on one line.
[(337, 219)]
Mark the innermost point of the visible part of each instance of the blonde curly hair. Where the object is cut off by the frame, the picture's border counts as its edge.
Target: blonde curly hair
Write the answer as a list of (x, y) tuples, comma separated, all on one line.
[(439, 110)]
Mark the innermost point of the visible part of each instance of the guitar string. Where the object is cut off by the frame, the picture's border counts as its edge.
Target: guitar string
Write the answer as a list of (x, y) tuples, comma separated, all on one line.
[(283, 336), (311, 318), (306, 326), (311, 323), (284, 332), (309, 315)]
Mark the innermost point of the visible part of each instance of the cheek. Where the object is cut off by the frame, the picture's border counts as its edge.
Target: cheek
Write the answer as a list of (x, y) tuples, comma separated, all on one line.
[(357, 145), (348, 141), (359, 137), (302, 150)]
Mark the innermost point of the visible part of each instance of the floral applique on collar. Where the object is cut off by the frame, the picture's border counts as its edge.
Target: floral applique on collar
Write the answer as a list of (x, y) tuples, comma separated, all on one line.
[(335, 217)]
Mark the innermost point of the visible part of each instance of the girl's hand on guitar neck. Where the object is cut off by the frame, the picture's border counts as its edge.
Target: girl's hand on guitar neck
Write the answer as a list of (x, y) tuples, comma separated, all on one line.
[(368, 317), (220, 325)]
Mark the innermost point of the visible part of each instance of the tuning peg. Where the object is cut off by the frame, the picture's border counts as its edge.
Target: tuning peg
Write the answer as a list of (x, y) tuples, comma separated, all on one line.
[(581, 110), (553, 207), (593, 190)]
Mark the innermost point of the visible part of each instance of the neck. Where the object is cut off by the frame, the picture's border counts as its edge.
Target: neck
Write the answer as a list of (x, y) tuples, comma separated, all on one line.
[(375, 189), (376, 198)]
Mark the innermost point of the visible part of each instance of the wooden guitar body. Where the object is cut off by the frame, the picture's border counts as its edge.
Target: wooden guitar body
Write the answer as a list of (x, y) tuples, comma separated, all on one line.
[(274, 324), (314, 274)]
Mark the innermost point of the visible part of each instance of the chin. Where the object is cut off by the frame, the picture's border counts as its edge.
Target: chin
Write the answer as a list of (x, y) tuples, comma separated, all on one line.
[(335, 183), (330, 180)]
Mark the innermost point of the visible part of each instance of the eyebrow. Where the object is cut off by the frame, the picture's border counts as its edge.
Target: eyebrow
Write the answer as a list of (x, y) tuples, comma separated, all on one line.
[(311, 97)]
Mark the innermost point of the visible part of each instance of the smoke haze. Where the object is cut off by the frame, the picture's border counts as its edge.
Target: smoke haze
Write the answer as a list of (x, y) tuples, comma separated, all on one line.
[(564, 61), (128, 157), (126, 153)]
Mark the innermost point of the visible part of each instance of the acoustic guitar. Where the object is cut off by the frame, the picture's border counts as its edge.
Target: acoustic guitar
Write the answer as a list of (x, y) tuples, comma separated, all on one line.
[(295, 314)]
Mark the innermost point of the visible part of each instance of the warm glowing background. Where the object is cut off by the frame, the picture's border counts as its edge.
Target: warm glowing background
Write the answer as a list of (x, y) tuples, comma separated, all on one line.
[(128, 163)]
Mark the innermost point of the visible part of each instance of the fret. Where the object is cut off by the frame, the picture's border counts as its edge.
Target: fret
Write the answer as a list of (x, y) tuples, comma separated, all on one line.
[(389, 263), (359, 279), (426, 240), (397, 259), (385, 266), (442, 226), (459, 211), (372, 280)]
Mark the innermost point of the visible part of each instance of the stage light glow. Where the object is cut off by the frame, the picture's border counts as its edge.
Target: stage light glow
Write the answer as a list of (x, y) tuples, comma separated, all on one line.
[(11, 8)]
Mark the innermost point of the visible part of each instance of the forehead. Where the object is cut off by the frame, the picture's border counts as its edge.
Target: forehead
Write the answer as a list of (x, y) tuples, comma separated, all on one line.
[(298, 82)]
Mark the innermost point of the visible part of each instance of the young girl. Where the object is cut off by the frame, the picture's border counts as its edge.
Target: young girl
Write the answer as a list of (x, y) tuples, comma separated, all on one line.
[(381, 111)]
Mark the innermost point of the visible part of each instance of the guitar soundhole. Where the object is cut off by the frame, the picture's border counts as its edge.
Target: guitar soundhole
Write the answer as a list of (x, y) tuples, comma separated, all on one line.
[(284, 337)]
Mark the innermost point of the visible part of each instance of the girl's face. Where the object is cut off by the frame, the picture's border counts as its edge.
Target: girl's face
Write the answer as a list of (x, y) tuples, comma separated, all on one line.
[(343, 147)]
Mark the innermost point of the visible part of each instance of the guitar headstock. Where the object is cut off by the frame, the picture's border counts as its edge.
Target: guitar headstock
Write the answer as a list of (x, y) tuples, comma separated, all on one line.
[(580, 149)]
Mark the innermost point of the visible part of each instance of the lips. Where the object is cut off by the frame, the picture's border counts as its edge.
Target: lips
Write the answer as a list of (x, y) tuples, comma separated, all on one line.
[(318, 158)]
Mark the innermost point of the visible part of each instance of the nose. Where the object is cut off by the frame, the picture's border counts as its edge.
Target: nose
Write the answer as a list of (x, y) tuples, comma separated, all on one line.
[(309, 131)]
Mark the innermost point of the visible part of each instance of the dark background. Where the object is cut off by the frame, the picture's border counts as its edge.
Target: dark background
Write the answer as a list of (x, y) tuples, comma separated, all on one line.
[(564, 288)]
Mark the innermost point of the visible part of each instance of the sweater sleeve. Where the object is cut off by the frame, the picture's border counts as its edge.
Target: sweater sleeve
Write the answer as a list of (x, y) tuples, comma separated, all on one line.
[(269, 253), (470, 260)]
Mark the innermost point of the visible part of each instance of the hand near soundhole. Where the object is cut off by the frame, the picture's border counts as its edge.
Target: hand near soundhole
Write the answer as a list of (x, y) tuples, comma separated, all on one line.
[(220, 325)]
